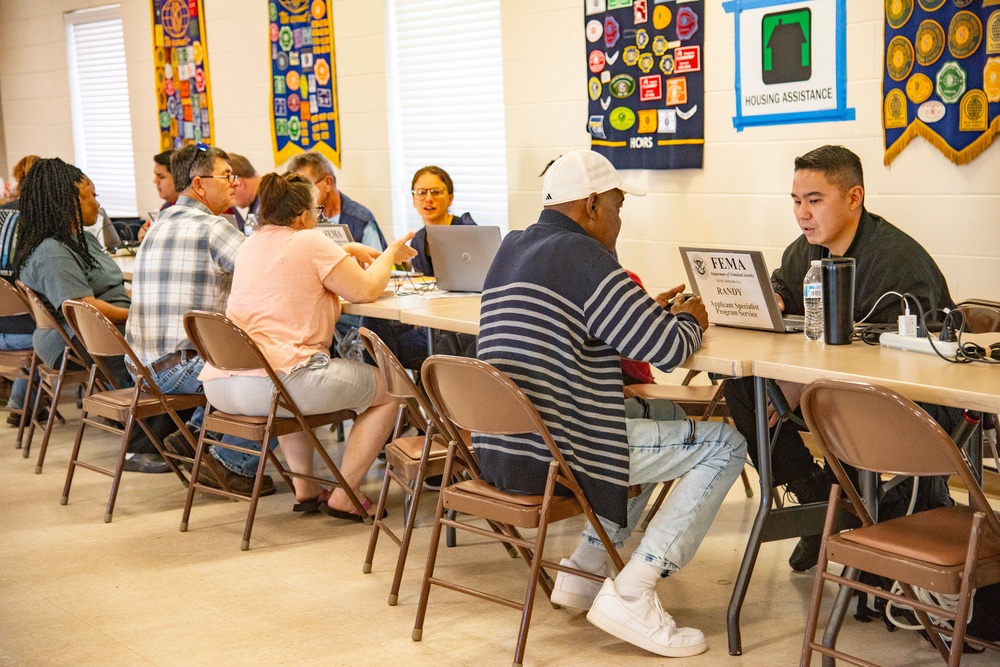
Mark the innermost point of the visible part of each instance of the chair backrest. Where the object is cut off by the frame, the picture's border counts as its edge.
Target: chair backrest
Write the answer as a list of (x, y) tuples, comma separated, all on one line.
[(12, 301), (101, 338), (398, 383), (874, 428), (222, 343), (474, 396), (45, 320), (981, 316)]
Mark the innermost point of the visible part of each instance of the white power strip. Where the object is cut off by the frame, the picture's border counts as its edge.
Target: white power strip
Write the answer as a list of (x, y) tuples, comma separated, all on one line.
[(914, 344)]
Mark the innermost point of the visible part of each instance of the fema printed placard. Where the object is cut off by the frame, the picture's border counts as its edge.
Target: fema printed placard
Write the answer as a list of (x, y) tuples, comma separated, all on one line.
[(645, 82), (180, 66), (304, 114), (790, 61)]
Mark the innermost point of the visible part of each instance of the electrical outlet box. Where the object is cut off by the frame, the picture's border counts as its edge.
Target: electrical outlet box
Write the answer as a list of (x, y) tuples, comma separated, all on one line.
[(914, 344)]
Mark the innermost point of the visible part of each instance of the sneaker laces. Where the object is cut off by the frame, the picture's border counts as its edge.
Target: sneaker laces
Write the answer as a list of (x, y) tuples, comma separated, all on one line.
[(665, 618)]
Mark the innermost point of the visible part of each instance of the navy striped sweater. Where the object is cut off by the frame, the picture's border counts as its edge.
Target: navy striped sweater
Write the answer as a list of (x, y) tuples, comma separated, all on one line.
[(557, 312)]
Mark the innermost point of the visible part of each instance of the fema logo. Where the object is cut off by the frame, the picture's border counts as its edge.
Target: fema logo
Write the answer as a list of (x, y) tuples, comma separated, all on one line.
[(699, 266)]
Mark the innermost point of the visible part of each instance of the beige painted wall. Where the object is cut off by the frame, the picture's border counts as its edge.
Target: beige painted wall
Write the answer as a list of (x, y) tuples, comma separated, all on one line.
[(739, 198)]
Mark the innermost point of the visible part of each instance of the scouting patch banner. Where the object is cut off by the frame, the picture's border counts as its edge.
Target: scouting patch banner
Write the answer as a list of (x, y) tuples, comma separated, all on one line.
[(180, 61), (645, 82), (791, 61), (303, 79), (942, 76)]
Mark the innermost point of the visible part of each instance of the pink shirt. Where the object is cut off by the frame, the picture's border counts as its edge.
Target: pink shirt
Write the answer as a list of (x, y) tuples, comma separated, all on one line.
[(283, 297)]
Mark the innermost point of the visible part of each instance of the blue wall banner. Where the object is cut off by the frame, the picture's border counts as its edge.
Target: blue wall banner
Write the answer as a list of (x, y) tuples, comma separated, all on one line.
[(646, 83), (791, 61), (303, 82), (180, 62), (942, 76)]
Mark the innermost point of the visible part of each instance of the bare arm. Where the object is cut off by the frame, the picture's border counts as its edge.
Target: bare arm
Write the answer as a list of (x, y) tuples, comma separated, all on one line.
[(116, 314), (360, 285)]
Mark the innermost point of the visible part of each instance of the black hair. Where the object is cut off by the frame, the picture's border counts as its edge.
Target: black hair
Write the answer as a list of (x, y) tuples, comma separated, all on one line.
[(838, 164), (163, 159), (50, 208)]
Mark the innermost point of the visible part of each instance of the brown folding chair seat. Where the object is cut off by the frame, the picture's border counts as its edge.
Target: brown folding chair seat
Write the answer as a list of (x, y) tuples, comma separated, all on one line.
[(224, 345), (981, 315), (128, 406), (949, 550), (74, 369), (17, 364), (704, 401), (409, 460), (471, 395)]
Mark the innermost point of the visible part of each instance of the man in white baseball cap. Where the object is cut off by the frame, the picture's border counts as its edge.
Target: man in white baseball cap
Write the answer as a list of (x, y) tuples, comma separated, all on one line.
[(558, 312)]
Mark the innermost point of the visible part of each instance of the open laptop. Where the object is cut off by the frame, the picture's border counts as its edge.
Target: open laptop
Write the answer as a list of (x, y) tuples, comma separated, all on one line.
[(462, 255), (735, 286)]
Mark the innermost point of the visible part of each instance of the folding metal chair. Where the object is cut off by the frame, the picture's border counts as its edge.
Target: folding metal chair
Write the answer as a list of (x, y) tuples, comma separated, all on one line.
[(948, 550), (224, 345), (409, 460), (17, 364), (130, 406), (74, 369), (471, 395)]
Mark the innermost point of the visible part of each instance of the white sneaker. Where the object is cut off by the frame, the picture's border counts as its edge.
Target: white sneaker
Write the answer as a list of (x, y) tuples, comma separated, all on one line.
[(572, 590), (644, 623)]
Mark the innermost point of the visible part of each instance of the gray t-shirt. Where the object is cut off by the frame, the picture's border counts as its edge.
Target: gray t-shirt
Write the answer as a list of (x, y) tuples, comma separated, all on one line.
[(57, 274)]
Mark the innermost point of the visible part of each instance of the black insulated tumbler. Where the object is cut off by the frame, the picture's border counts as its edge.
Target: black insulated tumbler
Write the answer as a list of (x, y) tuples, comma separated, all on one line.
[(838, 300)]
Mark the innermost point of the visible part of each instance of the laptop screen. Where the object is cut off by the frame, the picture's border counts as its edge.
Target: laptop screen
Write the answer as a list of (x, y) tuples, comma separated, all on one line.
[(735, 287), (462, 255)]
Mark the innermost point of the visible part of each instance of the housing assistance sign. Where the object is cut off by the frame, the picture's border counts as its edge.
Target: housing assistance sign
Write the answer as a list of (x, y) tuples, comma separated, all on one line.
[(790, 61)]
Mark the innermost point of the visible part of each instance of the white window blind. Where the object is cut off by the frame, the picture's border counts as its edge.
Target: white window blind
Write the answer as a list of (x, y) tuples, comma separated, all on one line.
[(102, 124), (446, 104)]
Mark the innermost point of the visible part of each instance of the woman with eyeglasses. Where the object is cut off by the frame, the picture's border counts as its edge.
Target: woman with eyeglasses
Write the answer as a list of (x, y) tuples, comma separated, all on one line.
[(57, 259), (291, 316), (433, 193)]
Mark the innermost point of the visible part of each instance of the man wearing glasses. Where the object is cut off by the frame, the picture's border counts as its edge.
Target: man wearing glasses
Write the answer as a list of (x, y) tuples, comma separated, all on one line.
[(337, 207), (186, 263)]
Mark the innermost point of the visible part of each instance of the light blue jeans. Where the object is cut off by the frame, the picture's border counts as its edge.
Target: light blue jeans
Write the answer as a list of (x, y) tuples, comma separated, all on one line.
[(183, 379), (704, 459), (20, 388)]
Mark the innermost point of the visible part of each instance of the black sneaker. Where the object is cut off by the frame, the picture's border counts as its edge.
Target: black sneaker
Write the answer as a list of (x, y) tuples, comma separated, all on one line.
[(813, 488), (806, 553), (150, 463)]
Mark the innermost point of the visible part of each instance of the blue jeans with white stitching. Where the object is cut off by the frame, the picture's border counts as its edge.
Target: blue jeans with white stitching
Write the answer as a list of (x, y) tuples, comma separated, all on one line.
[(704, 459), (183, 379)]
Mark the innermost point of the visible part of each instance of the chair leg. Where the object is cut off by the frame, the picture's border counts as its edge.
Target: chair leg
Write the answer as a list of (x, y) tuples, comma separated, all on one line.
[(74, 455), (26, 445), (377, 524), (747, 488), (117, 478), (49, 423), (425, 586), (255, 494), (199, 453), (404, 543)]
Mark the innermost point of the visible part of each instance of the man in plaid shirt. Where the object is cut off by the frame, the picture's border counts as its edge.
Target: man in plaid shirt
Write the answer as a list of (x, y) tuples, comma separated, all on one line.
[(186, 263)]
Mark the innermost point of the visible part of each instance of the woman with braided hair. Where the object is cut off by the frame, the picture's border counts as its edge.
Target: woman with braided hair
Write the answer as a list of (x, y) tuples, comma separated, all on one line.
[(59, 260)]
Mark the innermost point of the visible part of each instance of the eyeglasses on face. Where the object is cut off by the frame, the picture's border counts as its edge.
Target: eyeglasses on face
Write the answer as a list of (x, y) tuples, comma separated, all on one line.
[(232, 178), (319, 210), (420, 193)]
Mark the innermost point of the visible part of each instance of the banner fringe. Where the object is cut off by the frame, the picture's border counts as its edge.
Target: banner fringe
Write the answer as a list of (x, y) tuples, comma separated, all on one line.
[(964, 156)]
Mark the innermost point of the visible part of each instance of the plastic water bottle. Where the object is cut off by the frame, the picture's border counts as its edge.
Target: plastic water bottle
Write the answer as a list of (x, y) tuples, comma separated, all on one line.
[(812, 296), (250, 224)]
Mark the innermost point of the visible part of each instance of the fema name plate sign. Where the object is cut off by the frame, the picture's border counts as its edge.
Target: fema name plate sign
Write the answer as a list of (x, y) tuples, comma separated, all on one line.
[(728, 285)]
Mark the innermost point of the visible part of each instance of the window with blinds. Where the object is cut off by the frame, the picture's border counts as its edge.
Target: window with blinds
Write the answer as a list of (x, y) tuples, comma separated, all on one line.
[(446, 104), (102, 124)]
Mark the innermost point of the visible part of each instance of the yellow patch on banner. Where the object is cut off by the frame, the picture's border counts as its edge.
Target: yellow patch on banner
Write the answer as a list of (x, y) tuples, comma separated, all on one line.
[(648, 121), (898, 12), (930, 42), (973, 112), (919, 88), (899, 58), (991, 79), (993, 32), (895, 109)]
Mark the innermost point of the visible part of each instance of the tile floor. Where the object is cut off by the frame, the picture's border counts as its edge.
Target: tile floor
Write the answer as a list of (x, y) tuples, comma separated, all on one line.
[(77, 591)]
